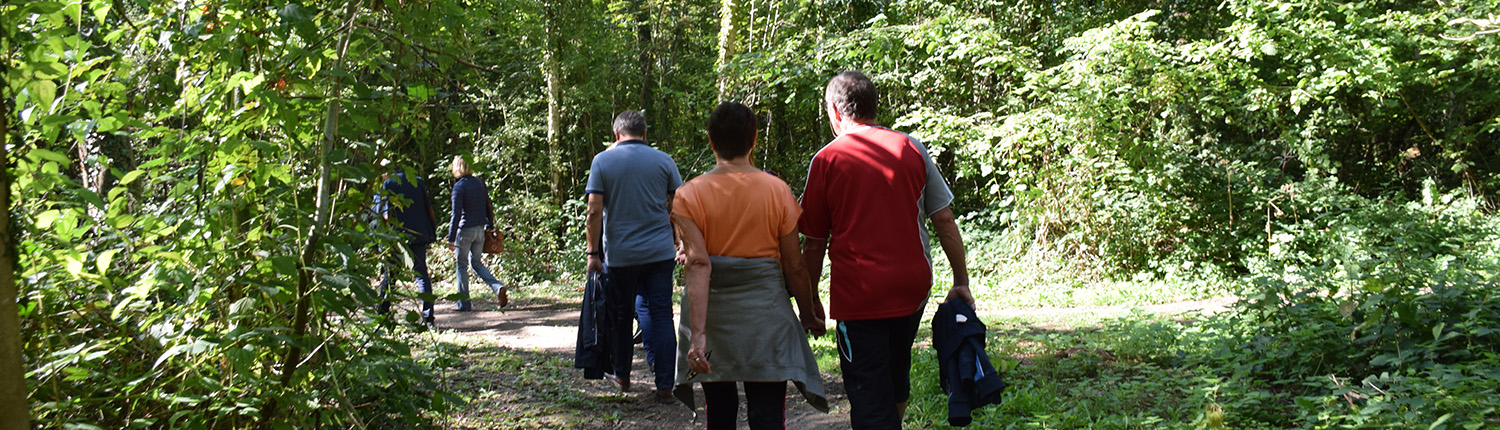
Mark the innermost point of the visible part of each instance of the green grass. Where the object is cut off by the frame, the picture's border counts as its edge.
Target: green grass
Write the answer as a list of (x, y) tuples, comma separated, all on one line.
[(1073, 377), (1066, 370)]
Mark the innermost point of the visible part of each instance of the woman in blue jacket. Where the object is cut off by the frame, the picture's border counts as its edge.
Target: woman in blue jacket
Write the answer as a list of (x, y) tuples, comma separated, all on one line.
[(472, 214)]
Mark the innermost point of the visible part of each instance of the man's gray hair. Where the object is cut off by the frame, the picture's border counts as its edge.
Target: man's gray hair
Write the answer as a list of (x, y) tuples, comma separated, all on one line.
[(853, 95), (630, 123)]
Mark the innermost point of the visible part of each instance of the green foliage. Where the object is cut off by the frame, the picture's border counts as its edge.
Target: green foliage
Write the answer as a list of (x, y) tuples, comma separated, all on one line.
[(1167, 141), (180, 269), (193, 180)]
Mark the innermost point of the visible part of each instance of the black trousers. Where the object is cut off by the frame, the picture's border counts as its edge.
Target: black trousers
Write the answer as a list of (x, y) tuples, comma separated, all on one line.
[(765, 404), (875, 357)]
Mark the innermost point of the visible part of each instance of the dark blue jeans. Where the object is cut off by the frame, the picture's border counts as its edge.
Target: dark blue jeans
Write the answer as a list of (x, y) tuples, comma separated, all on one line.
[(653, 283), (418, 250)]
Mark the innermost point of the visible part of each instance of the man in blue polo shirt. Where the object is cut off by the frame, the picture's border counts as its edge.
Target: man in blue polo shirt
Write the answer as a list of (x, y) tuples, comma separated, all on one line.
[(630, 234), (412, 215)]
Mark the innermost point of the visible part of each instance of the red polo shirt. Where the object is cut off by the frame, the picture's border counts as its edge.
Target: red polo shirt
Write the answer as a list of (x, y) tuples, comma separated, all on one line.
[(869, 192)]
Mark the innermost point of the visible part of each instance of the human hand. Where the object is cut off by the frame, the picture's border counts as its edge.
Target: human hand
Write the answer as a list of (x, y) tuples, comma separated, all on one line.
[(682, 258), (698, 355), (961, 291), (813, 320), (814, 324), (595, 265), (452, 247)]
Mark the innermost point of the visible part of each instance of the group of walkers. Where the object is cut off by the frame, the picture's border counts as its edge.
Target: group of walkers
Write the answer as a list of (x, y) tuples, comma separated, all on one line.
[(414, 216), (735, 230)]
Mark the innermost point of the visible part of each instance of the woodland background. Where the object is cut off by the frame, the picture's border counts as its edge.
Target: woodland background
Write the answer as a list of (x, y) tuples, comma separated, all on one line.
[(188, 240)]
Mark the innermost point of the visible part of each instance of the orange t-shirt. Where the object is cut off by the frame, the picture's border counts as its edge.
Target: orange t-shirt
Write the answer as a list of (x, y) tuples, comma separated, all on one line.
[(740, 214)]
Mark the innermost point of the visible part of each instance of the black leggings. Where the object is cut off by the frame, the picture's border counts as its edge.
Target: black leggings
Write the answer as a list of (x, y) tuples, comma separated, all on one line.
[(765, 404)]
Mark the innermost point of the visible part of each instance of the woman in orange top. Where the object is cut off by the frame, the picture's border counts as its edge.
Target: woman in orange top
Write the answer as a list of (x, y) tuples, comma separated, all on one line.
[(738, 227)]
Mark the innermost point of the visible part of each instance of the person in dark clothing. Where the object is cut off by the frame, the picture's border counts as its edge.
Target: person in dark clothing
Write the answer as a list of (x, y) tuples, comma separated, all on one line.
[(472, 214), (412, 215)]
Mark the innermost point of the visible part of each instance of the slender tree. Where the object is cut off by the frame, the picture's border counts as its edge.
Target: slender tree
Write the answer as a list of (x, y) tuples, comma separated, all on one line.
[(647, 57), (552, 72), (729, 11), (14, 410)]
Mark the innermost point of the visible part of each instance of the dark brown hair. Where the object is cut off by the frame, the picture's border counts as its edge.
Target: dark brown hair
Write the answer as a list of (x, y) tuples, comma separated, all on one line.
[(731, 130)]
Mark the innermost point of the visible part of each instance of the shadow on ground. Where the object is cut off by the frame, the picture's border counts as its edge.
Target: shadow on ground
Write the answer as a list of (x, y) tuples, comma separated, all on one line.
[(515, 368)]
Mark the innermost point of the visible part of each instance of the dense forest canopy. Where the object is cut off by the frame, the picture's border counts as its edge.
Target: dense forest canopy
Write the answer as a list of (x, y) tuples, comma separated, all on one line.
[(190, 179)]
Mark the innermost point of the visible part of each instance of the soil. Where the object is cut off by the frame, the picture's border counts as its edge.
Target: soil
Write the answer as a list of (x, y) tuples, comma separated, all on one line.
[(550, 329)]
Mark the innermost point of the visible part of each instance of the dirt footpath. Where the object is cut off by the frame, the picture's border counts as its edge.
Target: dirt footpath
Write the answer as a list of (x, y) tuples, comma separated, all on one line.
[(544, 333), (552, 329)]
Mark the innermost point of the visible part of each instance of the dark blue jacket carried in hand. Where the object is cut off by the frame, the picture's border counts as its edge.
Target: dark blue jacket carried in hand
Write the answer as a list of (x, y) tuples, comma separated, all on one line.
[(966, 373), (592, 354)]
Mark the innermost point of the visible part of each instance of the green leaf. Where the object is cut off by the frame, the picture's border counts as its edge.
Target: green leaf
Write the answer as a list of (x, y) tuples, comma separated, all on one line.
[(1440, 421), (74, 11), (45, 219), (243, 307), (295, 13), (101, 9), (89, 196), (108, 124), (49, 70), (45, 7), (105, 259), (131, 177), (284, 265), (252, 82), (419, 92), (74, 266), (194, 348), (42, 92), (39, 155)]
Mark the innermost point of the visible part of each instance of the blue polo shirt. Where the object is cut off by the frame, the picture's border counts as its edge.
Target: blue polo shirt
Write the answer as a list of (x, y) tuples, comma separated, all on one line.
[(636, 181)]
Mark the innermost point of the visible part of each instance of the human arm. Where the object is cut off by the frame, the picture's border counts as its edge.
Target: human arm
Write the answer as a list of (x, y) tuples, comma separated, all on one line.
[(953, 246), (809, 307), (696, 274), (458, 210), (813, 251), (593, 232)]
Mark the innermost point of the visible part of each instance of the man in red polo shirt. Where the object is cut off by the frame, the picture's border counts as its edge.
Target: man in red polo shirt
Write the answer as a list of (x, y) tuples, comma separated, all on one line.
[(868, 193)]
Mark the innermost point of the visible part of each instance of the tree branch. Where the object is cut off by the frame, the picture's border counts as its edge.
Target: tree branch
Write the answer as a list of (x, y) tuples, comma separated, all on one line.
[(432, 51)]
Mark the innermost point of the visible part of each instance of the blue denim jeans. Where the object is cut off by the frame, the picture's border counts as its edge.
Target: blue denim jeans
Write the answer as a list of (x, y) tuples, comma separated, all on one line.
[(471, 253), (418, 251), (653, 283)]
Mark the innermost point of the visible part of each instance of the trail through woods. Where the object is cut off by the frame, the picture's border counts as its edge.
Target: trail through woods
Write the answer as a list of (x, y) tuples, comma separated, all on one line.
[(515, 369)]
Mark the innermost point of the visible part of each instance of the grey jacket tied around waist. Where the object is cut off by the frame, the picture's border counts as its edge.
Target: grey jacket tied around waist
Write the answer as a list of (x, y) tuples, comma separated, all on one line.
[(752, 333)]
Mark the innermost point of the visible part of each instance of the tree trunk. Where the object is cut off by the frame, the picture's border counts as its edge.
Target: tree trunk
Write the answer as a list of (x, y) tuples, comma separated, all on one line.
[(551, 71), (321, 215), (729, 11), (647, 59), (15, 411)]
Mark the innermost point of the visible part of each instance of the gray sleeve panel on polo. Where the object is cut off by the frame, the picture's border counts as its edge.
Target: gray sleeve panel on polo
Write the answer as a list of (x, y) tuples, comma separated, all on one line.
[(936, 195)]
